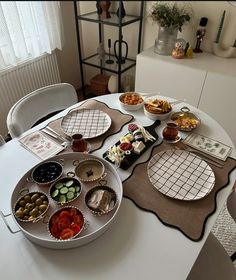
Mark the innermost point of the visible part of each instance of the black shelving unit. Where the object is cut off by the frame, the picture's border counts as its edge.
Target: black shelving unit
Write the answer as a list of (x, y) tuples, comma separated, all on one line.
[(94, 60)]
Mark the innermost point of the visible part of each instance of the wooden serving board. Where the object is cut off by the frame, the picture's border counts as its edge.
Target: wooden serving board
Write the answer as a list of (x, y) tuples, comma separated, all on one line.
[(130, 159)]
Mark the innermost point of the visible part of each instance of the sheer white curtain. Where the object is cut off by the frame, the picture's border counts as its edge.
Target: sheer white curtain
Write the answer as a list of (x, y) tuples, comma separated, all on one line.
[(28, 29)]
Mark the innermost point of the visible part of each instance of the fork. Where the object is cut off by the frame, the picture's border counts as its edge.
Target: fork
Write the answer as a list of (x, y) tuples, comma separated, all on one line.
[(62, 138), (203, 155)]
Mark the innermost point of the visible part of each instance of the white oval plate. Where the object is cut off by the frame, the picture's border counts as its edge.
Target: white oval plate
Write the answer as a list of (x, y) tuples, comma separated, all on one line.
[(89, 123), (181, 175)]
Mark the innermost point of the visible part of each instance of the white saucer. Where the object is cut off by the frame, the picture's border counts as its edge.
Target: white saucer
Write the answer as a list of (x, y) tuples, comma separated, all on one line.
[(177, 139)]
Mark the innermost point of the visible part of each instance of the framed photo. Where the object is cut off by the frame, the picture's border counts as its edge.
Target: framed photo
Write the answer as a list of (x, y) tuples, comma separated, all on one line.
[(208, 146)]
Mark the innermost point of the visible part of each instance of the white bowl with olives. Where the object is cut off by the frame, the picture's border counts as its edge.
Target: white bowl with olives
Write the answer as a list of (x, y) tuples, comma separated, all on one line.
[(65, 190), (31, 207)]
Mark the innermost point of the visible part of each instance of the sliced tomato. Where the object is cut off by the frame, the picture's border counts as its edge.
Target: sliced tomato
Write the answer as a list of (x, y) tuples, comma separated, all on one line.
[(55, 231), (63, 223), (73, 212), (67, 233), (75, 227), (54, 219), (65, 214), (79, 220)]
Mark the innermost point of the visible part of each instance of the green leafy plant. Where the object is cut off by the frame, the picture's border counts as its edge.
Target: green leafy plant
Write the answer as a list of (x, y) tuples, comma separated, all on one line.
[(170, 14)]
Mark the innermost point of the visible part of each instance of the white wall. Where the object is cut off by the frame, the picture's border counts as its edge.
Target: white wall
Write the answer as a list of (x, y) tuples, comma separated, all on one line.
[(68, 57)]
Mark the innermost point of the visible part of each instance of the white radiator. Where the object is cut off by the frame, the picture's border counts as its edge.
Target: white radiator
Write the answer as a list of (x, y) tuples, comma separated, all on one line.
[(21, 80)]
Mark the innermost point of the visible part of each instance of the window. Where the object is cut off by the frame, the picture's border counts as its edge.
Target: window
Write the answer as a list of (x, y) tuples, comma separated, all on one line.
[(28, 29)]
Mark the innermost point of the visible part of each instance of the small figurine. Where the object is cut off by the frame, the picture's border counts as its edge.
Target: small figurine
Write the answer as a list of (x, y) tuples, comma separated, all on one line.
[(189, 53), (200, 34), (179, 49)]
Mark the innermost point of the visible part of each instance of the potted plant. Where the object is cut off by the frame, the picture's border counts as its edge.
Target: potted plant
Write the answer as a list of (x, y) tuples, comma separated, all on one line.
[(170, 18)]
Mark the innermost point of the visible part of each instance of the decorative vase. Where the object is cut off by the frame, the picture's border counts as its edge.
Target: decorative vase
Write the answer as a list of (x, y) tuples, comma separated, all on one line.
[(99, 10), (165, 41), (105, 5), (123, 13), (101, 51), (221, 52)]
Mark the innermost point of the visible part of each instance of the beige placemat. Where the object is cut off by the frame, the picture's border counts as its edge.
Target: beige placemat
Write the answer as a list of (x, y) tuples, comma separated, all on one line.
[(118, 118), (187, 216)]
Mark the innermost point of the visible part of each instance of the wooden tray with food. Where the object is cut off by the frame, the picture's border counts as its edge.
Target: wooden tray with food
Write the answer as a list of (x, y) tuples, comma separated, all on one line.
[(131, 146)]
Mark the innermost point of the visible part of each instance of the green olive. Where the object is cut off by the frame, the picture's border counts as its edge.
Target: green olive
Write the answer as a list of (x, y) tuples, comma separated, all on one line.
[(31, 218), (38, 201), (21, 208), (45, 202), (34, 197), (26, 217), (26, 212), (19, 214), (22, 203), (43, 207), (27, 198), (30, 206), (43, 197), (34, 212), (27, 206)]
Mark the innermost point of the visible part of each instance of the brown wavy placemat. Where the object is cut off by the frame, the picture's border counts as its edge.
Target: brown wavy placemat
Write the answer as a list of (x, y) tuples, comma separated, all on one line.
[(187, 216), (118, 118)]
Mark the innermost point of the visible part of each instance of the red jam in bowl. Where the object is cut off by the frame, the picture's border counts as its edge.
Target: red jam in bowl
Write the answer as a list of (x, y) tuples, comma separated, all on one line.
[(126, 147)]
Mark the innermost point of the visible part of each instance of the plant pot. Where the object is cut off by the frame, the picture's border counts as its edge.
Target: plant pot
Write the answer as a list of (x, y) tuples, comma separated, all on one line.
[(165, 41)]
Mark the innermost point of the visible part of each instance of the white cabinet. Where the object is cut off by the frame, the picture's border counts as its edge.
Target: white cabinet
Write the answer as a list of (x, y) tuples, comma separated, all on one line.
[(219, 101), (206, 81), (156, 73)]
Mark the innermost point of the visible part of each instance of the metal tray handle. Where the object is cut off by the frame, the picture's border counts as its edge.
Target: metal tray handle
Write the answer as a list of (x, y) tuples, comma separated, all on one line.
[(6, 223)]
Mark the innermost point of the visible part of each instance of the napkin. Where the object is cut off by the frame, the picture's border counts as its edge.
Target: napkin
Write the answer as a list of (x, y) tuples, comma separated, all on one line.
[(40, 145)]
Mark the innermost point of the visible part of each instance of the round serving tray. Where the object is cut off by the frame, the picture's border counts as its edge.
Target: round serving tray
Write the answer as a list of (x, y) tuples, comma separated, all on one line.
[(38, 233)]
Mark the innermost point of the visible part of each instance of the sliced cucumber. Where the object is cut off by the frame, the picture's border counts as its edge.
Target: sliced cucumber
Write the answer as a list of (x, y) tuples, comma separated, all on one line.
[(55, 193), (69, 183), (77, 188), (59, 186), (64, 190), (62, 198), (72, 189), (70, 195)]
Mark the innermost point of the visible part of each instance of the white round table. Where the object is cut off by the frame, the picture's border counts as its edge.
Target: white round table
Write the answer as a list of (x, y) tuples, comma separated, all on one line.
[(136, 246)]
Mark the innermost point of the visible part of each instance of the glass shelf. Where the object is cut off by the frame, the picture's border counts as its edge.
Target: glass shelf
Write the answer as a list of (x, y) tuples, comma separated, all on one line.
[(113, 20), (95, 61)]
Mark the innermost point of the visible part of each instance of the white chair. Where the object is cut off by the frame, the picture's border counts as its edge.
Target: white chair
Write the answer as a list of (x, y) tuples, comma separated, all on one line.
[(39, 104), (2, 141), (213, 262)]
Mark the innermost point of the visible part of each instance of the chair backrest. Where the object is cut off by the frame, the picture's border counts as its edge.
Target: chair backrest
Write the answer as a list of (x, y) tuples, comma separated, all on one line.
[(38, 104), (231, 204)]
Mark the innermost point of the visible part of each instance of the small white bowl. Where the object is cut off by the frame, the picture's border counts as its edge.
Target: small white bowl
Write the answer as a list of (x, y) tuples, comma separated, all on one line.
[(131, 107), (156, 116)]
